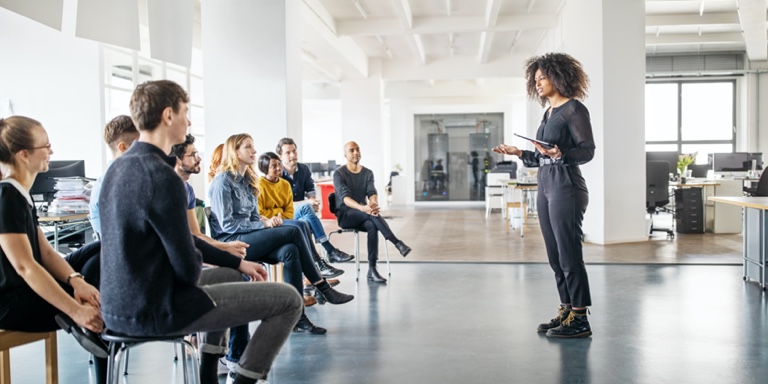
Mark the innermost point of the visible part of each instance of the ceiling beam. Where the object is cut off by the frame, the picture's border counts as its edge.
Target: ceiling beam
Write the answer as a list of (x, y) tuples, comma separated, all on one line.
[(349, 56), (752, 17), (456, 24), (486, 37), (691, 19), (322, 14), (694, 38), (405, 19), (458, 67)]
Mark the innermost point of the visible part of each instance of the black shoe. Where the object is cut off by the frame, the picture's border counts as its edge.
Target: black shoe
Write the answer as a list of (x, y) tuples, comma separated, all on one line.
[(337, 256), (319, 296), (404, 249), (373, 275), (333, 296), (562, 313), (304, 325), (327, 270), (87, 339), (572, 326)]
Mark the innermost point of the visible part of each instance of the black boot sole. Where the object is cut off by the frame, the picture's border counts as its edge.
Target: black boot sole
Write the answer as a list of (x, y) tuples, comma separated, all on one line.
[(90, 341), (572, 336)]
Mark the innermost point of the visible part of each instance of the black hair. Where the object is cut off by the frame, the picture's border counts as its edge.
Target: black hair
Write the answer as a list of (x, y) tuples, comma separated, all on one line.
[(179, 149), (264, 160)]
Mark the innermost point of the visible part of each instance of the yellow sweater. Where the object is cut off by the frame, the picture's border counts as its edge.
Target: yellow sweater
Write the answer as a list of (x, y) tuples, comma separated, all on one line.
[(275, 198)]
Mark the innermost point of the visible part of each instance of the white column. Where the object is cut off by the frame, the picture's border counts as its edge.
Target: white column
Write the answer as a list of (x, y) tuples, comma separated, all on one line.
[(252, 71), (362, 121), (608, 37)]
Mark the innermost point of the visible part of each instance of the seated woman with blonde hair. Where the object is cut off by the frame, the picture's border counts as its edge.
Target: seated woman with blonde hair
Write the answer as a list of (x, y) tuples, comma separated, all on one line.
[(235, 216)]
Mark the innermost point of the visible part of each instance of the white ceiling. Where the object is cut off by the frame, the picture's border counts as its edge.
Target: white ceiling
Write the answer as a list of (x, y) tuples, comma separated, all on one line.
[(468, 39)]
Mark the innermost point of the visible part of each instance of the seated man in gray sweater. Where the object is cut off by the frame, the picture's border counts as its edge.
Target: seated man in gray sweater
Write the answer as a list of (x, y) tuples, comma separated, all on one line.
[(357, 206), (153, 283)]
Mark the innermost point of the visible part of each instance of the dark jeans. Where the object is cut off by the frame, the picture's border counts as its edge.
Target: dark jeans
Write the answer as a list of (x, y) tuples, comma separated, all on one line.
[(238, 303), (354, 219), (21, 309), (286, 244), (305, 229), (562, 201)]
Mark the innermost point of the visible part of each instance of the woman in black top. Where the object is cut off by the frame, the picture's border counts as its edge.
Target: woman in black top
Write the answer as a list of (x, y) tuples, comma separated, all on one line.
[(38, 288), (559, 80)]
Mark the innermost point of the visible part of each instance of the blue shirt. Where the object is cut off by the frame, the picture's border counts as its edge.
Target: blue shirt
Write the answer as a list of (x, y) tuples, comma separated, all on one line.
[(302, 184), (234, 207), (94, 204), (191, 199)]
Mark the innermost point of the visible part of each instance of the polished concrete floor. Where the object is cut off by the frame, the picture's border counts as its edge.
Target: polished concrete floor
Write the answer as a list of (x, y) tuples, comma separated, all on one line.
[(460, 323), (679, 318)]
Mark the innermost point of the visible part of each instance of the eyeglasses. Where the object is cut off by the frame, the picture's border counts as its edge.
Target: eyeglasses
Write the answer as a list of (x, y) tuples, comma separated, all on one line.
[(47, 146), (193, 154)]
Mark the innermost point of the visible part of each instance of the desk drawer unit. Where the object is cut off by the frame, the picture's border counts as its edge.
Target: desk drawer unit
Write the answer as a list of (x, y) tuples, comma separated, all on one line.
[(689, 210)]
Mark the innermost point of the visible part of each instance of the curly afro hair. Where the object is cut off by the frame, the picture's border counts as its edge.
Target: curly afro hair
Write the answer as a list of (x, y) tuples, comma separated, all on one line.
[(564, 73)]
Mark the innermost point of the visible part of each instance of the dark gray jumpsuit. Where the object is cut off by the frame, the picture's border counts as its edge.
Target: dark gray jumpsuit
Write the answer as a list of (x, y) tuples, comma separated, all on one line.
[(562, 196)]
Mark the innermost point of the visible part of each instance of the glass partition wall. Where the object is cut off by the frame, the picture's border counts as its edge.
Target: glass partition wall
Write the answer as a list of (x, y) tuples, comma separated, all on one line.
[(453, 154)]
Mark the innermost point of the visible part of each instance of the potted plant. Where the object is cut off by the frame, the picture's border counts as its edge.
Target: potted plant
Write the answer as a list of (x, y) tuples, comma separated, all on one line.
[(683, 161)]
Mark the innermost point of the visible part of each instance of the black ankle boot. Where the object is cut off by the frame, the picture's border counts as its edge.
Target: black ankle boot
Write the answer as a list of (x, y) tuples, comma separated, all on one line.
[(374, 276), (573, 326), (327, 270), (304, 325), (209, 364), (333, 296), (562, 313), (404, 249)]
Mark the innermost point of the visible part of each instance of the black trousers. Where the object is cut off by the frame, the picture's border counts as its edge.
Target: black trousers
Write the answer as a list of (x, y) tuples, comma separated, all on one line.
[(354, 219), (562, 201)]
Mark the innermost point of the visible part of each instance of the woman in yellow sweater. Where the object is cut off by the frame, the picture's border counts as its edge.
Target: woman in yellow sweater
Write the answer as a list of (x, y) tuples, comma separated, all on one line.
[(276, 200)]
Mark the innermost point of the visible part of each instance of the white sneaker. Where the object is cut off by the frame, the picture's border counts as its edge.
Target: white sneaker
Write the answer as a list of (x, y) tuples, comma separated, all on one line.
[(231, 379), (223, 367)]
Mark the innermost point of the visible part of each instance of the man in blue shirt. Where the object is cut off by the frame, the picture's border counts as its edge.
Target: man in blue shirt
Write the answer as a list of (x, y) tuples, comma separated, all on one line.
[(119, 134), (305, 202)]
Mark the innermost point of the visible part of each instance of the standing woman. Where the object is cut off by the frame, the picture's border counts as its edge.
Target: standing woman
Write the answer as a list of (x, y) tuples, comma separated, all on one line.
[(559, 80), (39, 290)]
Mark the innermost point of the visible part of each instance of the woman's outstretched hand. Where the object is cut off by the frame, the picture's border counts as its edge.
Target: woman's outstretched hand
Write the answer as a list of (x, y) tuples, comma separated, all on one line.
[(507, 150)]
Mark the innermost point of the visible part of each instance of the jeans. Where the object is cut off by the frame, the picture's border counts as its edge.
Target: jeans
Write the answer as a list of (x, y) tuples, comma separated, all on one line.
[(286, 244), (354, 219), (237, 303), (304, 227), (304, 212)]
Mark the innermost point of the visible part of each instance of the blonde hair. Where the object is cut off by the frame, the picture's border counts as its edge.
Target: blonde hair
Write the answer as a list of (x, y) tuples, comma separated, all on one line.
[(214, 168), (230, 162)]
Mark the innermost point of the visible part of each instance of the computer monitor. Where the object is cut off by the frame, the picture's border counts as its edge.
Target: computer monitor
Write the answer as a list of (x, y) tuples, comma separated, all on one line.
[(331, 166), (758, 158), (45, 182), (670, 157), (316, 168), (731, 163)]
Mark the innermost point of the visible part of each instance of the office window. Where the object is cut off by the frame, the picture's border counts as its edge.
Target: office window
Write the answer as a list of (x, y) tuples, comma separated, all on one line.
[(690, 116), (453, 155)]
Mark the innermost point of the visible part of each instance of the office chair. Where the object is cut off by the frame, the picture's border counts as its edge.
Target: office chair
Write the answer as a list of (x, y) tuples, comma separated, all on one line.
[(494, 193), (657, 192), (762, 186), (332, 207)]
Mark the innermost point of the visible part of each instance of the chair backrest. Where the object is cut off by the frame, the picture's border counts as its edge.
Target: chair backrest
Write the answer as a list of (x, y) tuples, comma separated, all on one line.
[(332, 202), (656, 184), (762, 184)]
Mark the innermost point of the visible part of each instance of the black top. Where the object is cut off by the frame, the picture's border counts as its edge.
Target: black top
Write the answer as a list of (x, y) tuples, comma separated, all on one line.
[(150, 262), (570, 129), (358, 186), (17, 215), (302, 184)]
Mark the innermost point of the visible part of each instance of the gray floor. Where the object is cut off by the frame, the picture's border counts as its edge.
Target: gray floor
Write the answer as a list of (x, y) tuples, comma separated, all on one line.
[(476, 323)]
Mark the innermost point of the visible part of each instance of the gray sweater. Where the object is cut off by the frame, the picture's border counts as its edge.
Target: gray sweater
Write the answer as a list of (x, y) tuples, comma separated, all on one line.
[(358, 186), (150, 264)]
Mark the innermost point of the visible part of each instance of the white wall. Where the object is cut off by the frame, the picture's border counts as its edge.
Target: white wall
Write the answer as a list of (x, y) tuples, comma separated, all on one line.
[(53, 77)]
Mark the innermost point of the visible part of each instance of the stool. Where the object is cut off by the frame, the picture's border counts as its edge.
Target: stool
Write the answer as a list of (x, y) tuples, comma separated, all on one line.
[(10, 339), (523, 215), (357, 250), (116, 353), (274, 272)]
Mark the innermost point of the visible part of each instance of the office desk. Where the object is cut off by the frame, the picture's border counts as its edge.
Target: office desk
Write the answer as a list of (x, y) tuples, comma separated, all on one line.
[(718, 218), (755, 232), (76, 222), (527, 200)]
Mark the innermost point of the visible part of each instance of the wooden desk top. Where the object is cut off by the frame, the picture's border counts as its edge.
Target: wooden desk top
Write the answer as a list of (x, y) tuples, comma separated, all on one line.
[(696, 184), (758, 202), (60, 216)]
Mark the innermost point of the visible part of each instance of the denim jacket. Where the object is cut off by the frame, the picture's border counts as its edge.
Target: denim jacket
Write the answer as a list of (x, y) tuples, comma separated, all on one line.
[(234, 208)]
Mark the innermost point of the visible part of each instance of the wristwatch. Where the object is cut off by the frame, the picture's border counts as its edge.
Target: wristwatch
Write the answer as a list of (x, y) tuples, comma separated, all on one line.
[(75, 274)]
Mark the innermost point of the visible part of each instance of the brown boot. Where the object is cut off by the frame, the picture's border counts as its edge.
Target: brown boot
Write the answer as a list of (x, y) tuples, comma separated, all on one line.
[(309, 301)]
